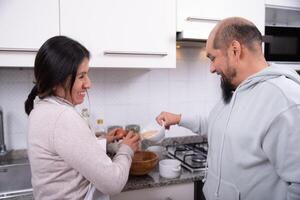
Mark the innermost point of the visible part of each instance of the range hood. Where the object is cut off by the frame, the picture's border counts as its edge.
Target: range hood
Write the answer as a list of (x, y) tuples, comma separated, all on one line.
[(195, 36), (195, 28), (189, 39)]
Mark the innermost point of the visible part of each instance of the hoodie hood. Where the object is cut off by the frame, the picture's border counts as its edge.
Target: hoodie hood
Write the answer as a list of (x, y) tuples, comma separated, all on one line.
[(273, 71)]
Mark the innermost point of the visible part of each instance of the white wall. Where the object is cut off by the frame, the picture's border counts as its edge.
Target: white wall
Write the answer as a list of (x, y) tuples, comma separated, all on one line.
[(122, 96)]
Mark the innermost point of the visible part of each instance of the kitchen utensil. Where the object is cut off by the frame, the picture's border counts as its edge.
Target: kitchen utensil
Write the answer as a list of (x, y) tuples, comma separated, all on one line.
[(143, 162), (169, 168), (154, 134)]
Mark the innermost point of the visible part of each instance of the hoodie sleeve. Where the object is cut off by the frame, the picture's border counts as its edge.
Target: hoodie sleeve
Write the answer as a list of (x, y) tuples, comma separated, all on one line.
[(196, 123), (281, 145)]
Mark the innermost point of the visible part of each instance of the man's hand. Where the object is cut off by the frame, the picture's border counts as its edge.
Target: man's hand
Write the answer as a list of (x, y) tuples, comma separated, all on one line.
[(168, 119)]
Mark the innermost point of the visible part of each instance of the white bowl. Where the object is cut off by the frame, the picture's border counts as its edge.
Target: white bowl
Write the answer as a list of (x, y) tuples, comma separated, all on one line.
[(169, 168), (153, 132), (159, 150), (154, 135)]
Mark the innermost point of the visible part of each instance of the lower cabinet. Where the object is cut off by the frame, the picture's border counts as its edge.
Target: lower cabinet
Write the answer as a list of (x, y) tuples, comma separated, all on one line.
[(170, 192)]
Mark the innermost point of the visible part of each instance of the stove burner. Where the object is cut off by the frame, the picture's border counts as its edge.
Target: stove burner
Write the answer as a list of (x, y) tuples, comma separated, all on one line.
[(181, 148), (192, 156), (198, 158), (199, 148)]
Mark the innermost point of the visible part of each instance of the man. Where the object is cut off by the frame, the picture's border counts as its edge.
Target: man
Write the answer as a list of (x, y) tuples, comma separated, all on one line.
[(253, 132)]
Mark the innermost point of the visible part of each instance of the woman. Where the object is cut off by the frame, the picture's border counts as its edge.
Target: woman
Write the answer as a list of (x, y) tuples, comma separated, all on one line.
[(66, 161)]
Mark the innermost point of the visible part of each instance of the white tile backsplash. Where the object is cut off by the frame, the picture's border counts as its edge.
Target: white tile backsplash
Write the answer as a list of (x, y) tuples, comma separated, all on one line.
[(158, 92), (116, 93), (178, 91), (122, 96), (138, 92), (159, 75)]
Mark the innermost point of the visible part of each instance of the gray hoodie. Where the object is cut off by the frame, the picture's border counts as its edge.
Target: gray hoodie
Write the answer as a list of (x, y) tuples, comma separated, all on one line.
[(254, 141)]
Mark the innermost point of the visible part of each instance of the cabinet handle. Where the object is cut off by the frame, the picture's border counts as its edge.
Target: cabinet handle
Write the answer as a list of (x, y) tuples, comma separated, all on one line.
[(18, 49), (202, 19), (135, 53)]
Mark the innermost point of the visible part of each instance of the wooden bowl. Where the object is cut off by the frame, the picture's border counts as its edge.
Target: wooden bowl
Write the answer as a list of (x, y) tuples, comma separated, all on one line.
[(143, 162)]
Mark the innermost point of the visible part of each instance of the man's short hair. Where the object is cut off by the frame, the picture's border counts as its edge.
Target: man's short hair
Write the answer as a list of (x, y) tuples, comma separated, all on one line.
[(237, 29)]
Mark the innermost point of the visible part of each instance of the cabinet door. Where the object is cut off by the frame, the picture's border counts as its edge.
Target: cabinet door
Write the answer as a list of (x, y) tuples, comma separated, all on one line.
[(123, 33), (199, 17), (171, 192), (25, 26), (288, 4)]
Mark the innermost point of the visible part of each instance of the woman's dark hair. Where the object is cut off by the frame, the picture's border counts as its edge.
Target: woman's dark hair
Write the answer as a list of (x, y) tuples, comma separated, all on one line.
[(55, 64)]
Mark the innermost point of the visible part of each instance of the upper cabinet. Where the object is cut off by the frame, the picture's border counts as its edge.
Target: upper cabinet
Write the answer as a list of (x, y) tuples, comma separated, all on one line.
[(283, 13), (25, 26), (282, 16), (196, 18), (288, 4), (123, 33)]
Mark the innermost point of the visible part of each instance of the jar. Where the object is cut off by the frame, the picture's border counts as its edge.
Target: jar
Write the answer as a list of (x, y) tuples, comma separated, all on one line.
[(110, 128), (132, 127)]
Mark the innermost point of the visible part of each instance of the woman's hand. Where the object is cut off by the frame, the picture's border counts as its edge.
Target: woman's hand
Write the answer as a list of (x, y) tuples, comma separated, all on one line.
[(115, 134), (132, 140)]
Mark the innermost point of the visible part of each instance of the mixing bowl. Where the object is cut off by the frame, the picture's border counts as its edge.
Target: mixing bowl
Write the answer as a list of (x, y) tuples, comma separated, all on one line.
[(143, 162)]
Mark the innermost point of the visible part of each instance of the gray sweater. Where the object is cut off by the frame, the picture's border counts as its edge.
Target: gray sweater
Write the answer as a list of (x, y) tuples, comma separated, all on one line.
[(65, 157), (254, 151)]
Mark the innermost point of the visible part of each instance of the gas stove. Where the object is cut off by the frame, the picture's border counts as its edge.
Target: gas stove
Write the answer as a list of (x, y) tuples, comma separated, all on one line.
[(192, 156)]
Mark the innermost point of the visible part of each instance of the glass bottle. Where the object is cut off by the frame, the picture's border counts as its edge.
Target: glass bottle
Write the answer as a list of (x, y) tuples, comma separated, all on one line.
[(100, 128)]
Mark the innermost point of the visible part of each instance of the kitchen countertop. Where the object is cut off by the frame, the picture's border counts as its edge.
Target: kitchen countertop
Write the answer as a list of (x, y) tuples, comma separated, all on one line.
[(153, 179)]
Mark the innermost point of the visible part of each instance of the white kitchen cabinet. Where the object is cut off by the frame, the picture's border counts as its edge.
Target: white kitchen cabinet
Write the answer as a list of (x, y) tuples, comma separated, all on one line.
[(289, 4), (123, 33), (282, 13), (171, 192), (282, 16), (25, 26), (196, 18)]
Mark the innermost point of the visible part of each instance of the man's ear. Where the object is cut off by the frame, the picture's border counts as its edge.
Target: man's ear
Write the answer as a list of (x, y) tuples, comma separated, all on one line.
[(236, 48)]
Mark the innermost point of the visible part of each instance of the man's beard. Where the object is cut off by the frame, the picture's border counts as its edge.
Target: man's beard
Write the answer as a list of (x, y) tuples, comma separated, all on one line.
[(227, 89)]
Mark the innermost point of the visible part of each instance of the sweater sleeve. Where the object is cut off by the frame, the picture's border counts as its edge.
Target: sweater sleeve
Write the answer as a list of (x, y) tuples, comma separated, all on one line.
[(196, 123), (281, 145), (74, 142)]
